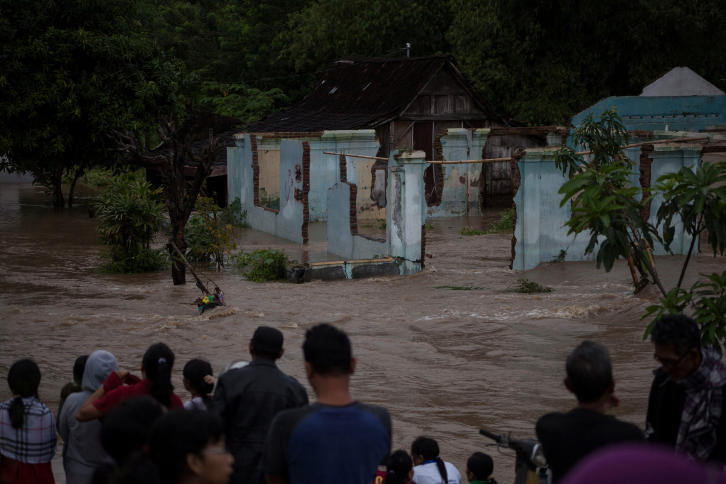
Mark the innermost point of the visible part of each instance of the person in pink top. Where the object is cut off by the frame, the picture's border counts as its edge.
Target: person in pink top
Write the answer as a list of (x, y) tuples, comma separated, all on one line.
[(120, 385)]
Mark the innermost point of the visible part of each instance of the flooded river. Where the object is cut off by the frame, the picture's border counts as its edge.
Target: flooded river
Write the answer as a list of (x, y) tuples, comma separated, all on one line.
[(446, 351)]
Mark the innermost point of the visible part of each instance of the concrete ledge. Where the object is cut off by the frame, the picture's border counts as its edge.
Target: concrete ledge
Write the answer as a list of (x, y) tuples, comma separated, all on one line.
[(354, 269)]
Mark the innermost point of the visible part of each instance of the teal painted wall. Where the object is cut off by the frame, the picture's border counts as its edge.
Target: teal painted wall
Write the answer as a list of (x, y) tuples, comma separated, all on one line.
[(687, 113)]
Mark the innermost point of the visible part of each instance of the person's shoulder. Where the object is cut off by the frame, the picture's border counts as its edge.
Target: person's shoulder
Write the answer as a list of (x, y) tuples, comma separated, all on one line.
[(660, 378), (74, 402), (38, 408), (552, 419), (294, 382), (295, 413), (552, 426), (291, 417), (176, 402), (628, 430), (377, 410)]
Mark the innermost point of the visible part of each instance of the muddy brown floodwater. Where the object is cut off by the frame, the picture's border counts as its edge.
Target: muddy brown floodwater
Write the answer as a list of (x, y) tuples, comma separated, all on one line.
[(446, 351)]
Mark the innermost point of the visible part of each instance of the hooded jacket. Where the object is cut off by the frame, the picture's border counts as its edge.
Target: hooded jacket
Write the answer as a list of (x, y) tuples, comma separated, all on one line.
[(82, 449)]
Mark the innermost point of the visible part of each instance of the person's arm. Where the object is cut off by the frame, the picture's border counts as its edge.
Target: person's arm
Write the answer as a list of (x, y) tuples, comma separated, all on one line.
[(88, 410), (63, 424), (274, 459), (218, 405)]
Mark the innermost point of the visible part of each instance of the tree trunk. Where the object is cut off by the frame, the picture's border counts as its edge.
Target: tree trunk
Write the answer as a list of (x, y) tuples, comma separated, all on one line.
[(57, 189), (76, 176), (178, 269)]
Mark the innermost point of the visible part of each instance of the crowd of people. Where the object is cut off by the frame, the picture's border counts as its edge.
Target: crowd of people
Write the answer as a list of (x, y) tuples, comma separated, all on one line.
[(255, 424)]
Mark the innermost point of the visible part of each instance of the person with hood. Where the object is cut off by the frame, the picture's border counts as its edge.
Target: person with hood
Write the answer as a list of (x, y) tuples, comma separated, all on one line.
[(83, 451)]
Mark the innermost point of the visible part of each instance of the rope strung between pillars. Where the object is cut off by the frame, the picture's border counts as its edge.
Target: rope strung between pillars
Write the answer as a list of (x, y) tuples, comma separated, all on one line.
[(510, 158)]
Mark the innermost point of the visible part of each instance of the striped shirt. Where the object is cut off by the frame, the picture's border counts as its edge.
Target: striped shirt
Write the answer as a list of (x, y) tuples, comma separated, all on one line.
[(35, 441)]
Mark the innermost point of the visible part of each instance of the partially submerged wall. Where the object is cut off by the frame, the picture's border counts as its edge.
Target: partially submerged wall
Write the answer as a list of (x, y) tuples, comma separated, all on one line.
[(540, 232), (290, 221), (304, 168), (460, 187), (405, 217)]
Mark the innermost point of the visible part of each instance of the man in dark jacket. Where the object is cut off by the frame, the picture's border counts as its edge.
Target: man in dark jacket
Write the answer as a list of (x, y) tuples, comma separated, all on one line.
[(687, 404), (248, 399), (568, 437)]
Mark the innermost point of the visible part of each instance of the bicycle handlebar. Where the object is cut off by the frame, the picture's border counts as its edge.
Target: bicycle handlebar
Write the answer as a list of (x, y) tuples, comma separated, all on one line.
[(520, 445)]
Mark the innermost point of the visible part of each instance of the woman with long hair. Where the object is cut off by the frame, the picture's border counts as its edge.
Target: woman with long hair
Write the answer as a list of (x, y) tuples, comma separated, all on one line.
[(27, 430), (199, 381), (429, 467), (120, 385)]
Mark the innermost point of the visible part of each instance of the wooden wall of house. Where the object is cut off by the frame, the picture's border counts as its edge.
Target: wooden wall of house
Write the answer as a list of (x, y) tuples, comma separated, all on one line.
[(495, 182), (443, 98)]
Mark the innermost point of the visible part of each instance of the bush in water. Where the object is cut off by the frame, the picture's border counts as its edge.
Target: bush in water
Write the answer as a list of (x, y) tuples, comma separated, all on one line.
[(262, 265), (129, 213)]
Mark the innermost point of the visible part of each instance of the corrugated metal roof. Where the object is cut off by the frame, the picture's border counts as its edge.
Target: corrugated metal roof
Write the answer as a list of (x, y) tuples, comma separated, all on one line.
[(362, 93)]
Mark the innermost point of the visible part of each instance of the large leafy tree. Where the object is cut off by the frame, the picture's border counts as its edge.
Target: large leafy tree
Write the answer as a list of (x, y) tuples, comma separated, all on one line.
[(181, 146), (230, 47), (541, 61), (326, 30), (72, 72)]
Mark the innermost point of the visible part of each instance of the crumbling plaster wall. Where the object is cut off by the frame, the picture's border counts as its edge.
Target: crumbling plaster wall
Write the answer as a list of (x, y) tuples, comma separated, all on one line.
[(460, 194), (290, 221), (540, 232)]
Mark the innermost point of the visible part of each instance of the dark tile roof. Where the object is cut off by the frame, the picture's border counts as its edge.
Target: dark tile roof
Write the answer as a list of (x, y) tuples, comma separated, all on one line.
[(363, 93)]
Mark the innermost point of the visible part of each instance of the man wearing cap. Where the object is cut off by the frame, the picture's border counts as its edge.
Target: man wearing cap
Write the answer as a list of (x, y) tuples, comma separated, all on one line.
[(248, 398)]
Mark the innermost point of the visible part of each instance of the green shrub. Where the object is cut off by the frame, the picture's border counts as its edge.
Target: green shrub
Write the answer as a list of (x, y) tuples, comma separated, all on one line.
[(208, 236), (145, 260), (470, 231), (531, 287), (129, 213), (234, 215), (504, 224), (262, 265)]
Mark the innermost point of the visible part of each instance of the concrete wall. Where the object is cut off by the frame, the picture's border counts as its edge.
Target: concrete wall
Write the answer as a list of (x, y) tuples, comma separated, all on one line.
[(540, 233), (269, 164), (540, 230), (343, 237), (277, 156), (684, 113), (405, 217), (290, 221), (325, 169), (461, 182)]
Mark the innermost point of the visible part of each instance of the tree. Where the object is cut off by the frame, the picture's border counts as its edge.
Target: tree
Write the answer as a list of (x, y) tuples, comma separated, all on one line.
[(229, 47), (177, 150), (606, 206), (72, 72), (541, 61), (326, 30)]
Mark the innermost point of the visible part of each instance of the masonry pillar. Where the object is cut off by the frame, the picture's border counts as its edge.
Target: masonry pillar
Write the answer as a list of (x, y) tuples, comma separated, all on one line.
[(406, 210)]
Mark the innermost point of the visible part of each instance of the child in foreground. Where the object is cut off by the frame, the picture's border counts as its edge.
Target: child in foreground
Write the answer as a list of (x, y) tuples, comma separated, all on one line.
[(479, 469)]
